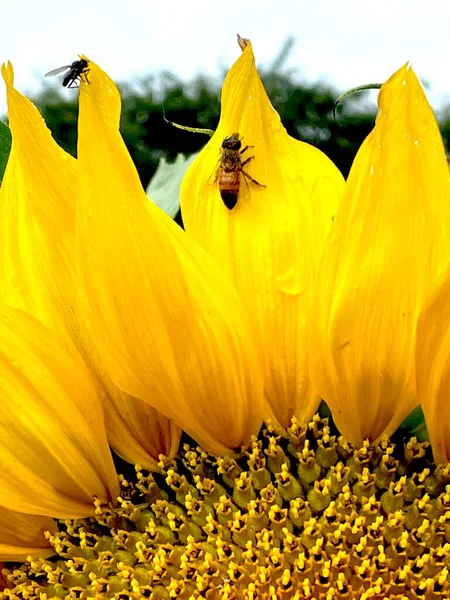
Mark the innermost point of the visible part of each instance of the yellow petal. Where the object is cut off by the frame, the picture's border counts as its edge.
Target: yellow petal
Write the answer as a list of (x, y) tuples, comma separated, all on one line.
[(37, 239), (169, 327), (271, 242), (37, 215), (23, 535), (54, 455), (433, 368), (137, 432), (388, 244)]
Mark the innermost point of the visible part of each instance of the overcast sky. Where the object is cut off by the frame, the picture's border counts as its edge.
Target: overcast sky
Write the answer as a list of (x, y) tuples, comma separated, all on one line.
[(345, 42)]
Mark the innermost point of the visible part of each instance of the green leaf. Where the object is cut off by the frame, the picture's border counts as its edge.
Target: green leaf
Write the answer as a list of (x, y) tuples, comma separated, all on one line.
[(415, 424), (164, 188), (5, 147)]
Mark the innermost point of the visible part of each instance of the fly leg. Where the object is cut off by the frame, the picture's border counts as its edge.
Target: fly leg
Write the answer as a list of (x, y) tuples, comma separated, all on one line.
[(85, 73)]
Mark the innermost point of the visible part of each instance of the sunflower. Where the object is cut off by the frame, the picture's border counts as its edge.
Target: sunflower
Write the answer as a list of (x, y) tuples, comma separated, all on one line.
[(120, 330)]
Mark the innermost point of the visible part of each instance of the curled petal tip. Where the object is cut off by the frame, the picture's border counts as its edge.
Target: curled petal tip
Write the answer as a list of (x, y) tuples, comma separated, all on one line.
[(405, 71), (243, 42), (8, 73)]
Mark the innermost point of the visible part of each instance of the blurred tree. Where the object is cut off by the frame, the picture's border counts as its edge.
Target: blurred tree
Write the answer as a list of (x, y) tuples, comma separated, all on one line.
[(444, 121), (306, 111)]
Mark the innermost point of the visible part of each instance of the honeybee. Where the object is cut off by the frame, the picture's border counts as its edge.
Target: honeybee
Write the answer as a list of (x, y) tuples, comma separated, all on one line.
[(76, 71), (229, 169)]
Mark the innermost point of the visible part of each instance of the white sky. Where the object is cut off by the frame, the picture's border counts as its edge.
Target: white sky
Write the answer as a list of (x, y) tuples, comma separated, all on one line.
[(347, 42)]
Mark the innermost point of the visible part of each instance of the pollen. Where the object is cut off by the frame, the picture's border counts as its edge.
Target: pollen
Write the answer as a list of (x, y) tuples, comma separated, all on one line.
[(307, 516)]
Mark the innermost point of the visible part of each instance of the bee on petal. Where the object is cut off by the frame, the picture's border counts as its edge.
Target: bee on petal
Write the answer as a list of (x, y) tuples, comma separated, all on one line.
[(230, 168)]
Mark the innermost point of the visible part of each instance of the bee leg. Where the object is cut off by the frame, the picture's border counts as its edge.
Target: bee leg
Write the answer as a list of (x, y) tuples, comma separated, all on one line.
[(247, 160), (251, 178), (245, 149)]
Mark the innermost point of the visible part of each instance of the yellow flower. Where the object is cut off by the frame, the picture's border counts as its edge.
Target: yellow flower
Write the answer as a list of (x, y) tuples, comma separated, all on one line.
[(117, 314), (387, 247), (270, 244)]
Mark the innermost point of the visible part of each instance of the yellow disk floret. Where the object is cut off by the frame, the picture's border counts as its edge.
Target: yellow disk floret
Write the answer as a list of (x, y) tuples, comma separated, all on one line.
[(303, 517)]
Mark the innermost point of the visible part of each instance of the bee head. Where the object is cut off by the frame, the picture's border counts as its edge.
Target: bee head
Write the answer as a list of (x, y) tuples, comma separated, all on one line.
[(233, 142)]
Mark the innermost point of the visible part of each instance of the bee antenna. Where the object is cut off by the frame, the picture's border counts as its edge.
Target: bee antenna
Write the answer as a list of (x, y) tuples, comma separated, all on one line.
[(359, 88)]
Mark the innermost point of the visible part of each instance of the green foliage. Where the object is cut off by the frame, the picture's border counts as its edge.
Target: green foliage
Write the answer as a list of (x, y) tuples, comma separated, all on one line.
[(444, 120), (414, 424), (61, 117), (5, 147), (195, 104), (164, 187)]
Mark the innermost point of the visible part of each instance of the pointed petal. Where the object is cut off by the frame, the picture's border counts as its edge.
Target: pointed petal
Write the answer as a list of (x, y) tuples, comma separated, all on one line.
[(37, 214), (433, 368), (54, 455), (271, 242), (23, 535), (388, 245), (37, 238), (168, 325)]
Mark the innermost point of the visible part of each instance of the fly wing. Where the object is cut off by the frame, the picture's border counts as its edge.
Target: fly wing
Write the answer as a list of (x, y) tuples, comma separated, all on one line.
[(57, 71)]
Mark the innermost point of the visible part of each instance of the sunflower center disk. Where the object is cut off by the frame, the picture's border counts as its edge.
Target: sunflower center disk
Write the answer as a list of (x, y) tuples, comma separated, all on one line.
[(308, 516)]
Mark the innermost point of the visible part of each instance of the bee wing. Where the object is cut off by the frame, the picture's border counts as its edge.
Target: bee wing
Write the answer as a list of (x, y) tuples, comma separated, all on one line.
[(212, 178), (244, 189), (57, 71), (211, 185)]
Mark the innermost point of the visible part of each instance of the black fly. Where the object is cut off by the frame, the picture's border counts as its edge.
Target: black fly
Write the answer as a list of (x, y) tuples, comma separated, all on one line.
[(76, 71)]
